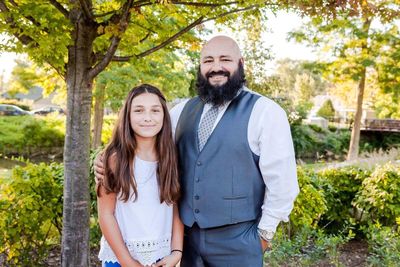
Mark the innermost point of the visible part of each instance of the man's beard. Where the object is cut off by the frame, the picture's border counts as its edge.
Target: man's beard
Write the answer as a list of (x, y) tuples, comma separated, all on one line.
[(220, 94)]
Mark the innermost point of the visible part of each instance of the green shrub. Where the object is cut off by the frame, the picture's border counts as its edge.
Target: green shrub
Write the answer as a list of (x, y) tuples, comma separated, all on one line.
[(336, 143), (31, 205), (24, 135), (108, 127), (379, 195), (327, 110), (340, 188), (384, 246), (310, 203), (305, 248), (304, 141), (31, 213)]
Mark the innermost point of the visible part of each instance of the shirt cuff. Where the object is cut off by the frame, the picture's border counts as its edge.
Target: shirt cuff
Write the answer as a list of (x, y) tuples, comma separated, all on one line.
[(268, 223)]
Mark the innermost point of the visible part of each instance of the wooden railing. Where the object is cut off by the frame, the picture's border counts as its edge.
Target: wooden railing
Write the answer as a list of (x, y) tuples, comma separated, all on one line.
[(383, 125)]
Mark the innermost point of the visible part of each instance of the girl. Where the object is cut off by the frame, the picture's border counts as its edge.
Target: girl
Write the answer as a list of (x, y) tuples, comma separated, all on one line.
[(137, 198)]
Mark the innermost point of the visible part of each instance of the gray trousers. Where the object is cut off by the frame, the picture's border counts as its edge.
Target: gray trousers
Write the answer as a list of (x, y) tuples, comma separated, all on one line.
[(236, 245)]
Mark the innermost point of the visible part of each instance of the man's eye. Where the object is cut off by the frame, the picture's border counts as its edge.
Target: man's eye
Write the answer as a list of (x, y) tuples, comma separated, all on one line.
[(207, 61), (226, 59)]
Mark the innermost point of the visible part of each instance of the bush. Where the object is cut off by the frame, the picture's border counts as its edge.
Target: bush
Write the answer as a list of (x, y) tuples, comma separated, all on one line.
[(305, 248), (27, 135), (327, 110), (304, 141), (310, 203), (384, 246), (379, 195), (340, 188), (31, 213)]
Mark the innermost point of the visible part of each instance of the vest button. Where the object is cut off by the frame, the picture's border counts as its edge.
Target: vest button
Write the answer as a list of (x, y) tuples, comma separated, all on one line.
[(196, 197), (199, 163), (196, 211), (197, 180)]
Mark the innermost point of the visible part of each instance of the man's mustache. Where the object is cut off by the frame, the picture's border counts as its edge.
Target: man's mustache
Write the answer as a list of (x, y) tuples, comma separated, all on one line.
[(214, 73)]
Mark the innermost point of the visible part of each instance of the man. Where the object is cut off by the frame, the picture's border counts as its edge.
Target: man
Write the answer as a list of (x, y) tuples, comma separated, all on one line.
[(238, 171)]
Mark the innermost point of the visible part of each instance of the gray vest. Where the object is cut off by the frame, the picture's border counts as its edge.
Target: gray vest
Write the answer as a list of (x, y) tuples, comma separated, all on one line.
[(222, 184)]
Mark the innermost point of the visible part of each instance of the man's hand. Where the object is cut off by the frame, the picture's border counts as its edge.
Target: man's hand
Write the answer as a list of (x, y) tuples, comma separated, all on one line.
[(265, 245), (99, 168)]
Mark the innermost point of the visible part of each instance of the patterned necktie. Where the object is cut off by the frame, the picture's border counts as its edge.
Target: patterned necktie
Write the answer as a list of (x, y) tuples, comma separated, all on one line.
[(206, 126)]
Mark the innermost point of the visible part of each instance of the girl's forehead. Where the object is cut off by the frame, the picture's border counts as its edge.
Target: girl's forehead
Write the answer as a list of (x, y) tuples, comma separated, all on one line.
[(146, 98)]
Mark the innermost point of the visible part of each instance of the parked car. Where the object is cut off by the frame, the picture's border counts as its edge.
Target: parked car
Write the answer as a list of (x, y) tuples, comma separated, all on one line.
[(11, 110), (48, 110)]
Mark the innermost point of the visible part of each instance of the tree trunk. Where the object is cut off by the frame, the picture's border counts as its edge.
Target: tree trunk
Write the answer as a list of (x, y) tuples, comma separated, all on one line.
[(75, 234), (355, 133), (98, 115)]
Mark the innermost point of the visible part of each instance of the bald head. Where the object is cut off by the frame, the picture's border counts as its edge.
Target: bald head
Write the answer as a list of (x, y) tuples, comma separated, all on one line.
[(224, 43)]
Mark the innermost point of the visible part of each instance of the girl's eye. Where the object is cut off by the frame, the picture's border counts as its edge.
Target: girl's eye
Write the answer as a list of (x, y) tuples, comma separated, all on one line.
[(137, 110), (156, 110)]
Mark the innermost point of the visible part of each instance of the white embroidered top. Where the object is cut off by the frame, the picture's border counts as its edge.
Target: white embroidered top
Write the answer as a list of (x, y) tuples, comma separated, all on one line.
[(145, 224)]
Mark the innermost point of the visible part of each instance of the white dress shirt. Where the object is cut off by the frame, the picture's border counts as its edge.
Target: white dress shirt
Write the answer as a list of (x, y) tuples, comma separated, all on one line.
[(269, 138)]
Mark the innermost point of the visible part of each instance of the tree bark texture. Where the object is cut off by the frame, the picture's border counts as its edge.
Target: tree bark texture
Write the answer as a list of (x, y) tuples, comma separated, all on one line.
[(75, 234)]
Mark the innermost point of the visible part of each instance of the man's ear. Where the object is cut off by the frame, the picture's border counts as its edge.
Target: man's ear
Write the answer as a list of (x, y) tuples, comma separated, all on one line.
[(242, 61)]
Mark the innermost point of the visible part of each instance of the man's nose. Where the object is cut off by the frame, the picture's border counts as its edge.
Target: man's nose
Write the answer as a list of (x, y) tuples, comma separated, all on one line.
[(216, 66)]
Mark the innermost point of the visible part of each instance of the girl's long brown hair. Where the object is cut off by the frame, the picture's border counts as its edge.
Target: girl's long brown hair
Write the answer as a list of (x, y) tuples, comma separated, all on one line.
[(121, 150)]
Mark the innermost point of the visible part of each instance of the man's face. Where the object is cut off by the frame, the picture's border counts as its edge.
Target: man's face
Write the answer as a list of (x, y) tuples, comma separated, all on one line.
[(219, 60)]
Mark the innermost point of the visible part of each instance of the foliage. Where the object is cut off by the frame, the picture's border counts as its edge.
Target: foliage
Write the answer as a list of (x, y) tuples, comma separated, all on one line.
[(305, 248), (310, 203), (108, 127), (386, 107), (30, 212), (379, 196), (327, 110), (304, 141), (25, 135), (384, 245), (340, 187)]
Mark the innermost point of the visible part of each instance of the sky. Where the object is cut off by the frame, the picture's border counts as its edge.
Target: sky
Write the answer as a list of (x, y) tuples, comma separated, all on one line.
[(275, 37)]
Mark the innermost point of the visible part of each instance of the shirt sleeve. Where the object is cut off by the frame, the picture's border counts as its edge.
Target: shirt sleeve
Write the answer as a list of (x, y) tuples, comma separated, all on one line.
[(175, 113), (277, 162)]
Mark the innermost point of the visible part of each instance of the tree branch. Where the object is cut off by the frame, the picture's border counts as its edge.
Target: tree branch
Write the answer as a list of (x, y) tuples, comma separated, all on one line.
[(203, 4), (23, 38), (172, 38), (232, 12), (30, 18), (86, 7), (123, 24), (60, 8)]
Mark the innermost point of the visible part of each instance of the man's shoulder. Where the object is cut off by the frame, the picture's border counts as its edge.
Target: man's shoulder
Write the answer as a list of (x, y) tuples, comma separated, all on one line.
[(265, 103)]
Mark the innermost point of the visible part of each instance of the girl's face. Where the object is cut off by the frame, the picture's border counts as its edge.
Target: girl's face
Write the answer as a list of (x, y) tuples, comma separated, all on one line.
[(147, 116)]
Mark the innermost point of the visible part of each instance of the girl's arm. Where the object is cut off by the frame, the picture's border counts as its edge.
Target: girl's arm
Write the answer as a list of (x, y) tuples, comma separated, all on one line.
[(176, 242), (110, 229)]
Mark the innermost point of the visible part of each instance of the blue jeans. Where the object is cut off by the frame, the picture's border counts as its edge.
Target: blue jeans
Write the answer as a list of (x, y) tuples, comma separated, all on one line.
[(111, 264)]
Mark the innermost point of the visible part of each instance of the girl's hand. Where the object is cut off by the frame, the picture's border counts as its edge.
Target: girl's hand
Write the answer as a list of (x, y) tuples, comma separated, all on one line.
[(169, 261)]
